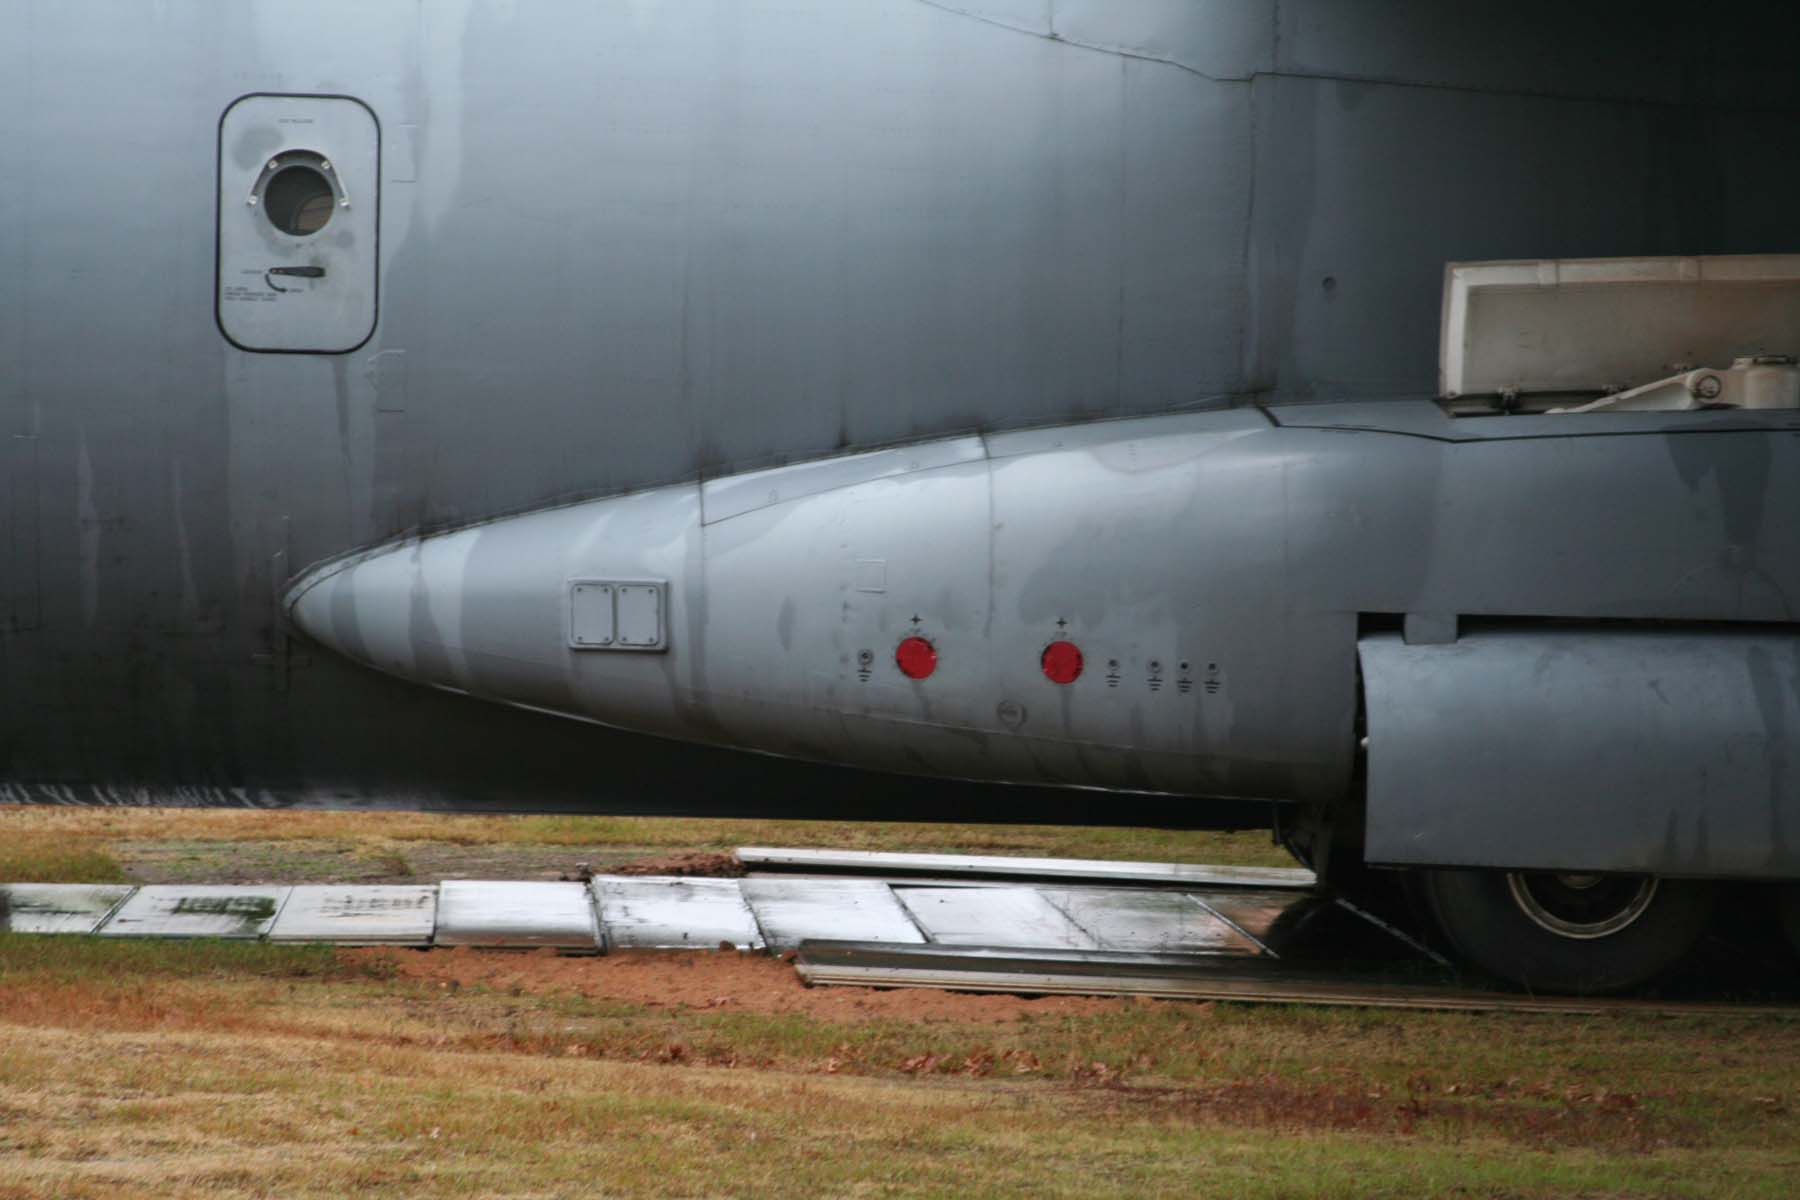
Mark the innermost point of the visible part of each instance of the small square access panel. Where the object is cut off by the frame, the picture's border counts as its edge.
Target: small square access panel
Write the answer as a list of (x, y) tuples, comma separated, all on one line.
[(591, 623), (639, 609), (613, 614)]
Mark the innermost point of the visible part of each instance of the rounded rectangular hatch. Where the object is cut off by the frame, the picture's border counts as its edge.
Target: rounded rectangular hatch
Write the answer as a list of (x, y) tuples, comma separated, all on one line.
[(298, 223)]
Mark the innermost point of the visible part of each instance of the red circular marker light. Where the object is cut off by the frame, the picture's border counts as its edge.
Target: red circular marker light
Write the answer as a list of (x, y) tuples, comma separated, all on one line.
[(1062, 662), (916, 658)]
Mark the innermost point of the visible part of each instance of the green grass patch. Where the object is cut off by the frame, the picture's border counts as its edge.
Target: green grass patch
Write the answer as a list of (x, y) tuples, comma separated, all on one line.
[(139, 1067), (1245, 848), (103, 845), (1547, 1057), (38, 860), (251, 1069), (115, 961), (294, 1087)]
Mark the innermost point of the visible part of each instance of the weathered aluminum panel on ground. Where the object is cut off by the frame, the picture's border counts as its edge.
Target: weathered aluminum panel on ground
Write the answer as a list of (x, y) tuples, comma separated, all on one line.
[(662, 913), (1261, 915), (399, 915), (1181, 977), (480, 913), (182, 910), (1152, 921), (1587, 749), (996, 916), (57, 907), (1003, 866), (792, 910)]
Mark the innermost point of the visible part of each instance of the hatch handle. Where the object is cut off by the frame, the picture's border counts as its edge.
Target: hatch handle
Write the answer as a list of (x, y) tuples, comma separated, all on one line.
[(292, 272)]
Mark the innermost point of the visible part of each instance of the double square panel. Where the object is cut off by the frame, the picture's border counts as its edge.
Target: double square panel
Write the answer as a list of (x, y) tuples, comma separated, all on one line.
[(610, 614)]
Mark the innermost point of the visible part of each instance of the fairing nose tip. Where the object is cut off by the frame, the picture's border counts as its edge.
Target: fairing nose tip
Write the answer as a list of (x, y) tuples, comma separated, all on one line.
[(363, 608), (306, 603)]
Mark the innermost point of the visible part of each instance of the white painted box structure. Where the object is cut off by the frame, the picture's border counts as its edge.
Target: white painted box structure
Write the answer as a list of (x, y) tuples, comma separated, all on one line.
[(1586, 325)]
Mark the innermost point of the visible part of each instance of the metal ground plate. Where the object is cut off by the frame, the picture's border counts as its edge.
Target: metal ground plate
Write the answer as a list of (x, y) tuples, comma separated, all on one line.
[(197, 910), (653, 912), (57, 907), (792, 910), (358, 915), (510, 914), (999, 866), (1146, 921), (992, 916)]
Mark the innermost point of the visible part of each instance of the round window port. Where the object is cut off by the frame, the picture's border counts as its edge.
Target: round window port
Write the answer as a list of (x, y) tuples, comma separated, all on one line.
[(298, 199)]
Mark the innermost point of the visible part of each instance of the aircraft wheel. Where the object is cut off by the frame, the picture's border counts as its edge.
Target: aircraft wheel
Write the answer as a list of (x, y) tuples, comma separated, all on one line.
[(1567, 932), (1787, 902)]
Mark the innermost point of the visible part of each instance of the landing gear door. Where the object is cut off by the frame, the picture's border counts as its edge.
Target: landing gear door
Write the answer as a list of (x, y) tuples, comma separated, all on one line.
[(1661, 751), (298, 223)]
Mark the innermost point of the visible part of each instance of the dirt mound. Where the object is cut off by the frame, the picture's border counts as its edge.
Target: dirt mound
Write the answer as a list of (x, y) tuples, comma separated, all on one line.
[(721, 864)]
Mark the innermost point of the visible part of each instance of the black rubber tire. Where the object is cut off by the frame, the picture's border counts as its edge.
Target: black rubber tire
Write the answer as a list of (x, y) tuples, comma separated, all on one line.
[(1479, 916), (1787, 903)]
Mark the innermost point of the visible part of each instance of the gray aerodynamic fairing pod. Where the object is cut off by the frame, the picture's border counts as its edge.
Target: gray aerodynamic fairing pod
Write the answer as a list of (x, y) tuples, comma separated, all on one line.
[(775, 605), (1577, 625)]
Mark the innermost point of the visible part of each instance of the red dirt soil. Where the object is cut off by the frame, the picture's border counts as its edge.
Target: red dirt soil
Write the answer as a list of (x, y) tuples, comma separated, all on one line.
[(714, 979), (716, 864)]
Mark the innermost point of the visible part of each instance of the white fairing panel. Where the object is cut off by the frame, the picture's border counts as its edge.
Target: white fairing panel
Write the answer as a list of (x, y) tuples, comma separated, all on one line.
[(1592, 325), (298, 221)]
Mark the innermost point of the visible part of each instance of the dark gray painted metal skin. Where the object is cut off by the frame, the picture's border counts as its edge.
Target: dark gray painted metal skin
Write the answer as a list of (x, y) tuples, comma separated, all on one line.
[(1215, 570), (1667, 752), (627, 245)]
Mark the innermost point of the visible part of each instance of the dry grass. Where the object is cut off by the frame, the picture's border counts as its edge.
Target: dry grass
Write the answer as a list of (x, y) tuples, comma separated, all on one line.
[(103, 845), (113, 825), (32, 857), (224, 1070), (287, 1097), (137, 1068)]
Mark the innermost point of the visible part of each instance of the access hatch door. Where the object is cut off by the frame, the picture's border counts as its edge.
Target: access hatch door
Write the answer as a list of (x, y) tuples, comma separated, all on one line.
[(298, 223)]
